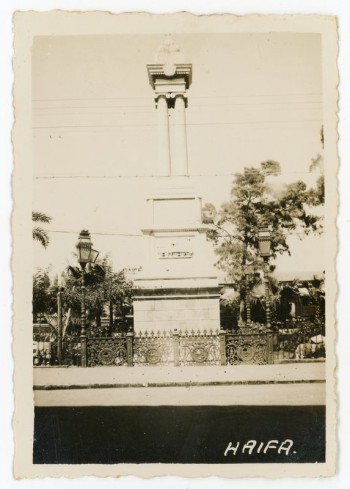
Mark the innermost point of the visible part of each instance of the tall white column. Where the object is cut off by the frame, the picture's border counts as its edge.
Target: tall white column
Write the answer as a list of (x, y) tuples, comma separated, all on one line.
[(179, 139), (163, 168)]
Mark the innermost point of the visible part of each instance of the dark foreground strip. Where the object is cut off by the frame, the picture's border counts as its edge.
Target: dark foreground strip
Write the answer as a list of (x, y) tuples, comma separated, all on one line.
[(172, 384), (188, 434)]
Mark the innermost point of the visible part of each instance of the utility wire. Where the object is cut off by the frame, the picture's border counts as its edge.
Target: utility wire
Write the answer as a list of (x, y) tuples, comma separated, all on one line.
[(94, 233), (151, 107), (142, 235), (193, 97), (77, 126), (47, 177)]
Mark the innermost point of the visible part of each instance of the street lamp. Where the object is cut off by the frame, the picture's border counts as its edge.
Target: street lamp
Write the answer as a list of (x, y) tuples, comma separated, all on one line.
[(265, 253), (247, 299), (85, 255), (59, 325)]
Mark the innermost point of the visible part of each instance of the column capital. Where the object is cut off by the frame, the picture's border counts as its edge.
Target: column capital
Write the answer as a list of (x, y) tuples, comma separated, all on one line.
[(159, 97), (170, 98), (182, 96)]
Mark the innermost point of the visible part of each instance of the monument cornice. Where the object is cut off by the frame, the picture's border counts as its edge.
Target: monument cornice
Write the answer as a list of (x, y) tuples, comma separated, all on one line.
[(176, 293), (160, 70)]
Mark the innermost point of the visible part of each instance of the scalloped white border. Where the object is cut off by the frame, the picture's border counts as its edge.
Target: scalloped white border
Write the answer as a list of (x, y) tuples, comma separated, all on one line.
[(240, 7)]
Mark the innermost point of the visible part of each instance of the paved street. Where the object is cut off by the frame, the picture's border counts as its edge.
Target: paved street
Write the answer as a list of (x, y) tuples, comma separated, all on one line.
[(199, 434)]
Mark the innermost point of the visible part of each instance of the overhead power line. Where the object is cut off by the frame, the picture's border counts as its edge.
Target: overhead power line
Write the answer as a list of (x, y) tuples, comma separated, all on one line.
[(78, 126), (95, 233), (150, 107), (134, 235), (193, 97), (208, 175)]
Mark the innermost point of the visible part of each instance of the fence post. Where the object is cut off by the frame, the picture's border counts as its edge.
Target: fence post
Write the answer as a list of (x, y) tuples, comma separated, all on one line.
[(176, 347), (129, 353), (222, 339), (269, 344)]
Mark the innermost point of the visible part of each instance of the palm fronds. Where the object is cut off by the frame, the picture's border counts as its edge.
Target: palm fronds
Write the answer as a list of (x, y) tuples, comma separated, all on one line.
[(40, 234), (40, 217)]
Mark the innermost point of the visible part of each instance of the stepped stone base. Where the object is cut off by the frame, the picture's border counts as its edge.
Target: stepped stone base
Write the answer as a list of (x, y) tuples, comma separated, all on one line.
[(181, 309)]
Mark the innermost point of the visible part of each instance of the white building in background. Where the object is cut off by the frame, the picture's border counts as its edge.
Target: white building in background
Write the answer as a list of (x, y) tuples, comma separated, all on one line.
[(178, 286)]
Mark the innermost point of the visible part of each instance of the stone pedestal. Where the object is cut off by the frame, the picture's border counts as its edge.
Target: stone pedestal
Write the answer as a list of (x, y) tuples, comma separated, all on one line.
[(181, 309), (178, 286)]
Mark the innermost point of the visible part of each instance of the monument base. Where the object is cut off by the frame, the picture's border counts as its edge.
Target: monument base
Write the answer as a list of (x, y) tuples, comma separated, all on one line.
[(181, 308)]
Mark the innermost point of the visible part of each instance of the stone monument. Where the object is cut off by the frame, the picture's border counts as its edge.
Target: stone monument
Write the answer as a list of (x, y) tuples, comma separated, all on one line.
[(178, 285)]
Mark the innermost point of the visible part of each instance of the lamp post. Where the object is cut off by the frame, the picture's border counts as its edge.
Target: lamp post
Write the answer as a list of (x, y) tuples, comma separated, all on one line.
[(59, 325), (85, 255), (265, 252), (247, 300)]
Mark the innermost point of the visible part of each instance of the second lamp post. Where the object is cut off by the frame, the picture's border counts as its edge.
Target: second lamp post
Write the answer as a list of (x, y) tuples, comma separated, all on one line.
[(85, 255), (265, 253)]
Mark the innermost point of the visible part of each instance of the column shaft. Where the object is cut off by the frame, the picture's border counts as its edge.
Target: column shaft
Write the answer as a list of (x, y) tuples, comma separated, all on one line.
[(179, 139), (163, 168)]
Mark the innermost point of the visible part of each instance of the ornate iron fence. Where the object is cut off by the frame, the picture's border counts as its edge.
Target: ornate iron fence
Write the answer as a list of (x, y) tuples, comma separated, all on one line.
[(249, 347), (107, 351), (198, 348), (154, 348), (178, 348)]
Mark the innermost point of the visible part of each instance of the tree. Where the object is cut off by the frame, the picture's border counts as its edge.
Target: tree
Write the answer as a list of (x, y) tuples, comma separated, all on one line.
[(40, 234), (316, 289), (44, 294), (255, 202), (94, 300), (104, 289), (118, 293), (317, 194)]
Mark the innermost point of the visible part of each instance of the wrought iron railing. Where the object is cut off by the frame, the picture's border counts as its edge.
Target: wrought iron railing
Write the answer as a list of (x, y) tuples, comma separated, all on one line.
[(254, 346), (107, 351), (153, 348), (199, 348), (249, 347)]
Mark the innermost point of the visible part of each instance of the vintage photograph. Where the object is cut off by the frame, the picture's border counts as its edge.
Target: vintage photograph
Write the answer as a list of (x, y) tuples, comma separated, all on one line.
[(177, 181)]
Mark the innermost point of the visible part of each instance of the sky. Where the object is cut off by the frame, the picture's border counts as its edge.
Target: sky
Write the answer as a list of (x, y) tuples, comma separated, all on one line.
[(254, 97)]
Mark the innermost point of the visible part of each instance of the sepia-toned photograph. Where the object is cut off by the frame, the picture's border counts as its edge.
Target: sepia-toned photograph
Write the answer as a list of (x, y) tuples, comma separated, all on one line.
[(175, 188)]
